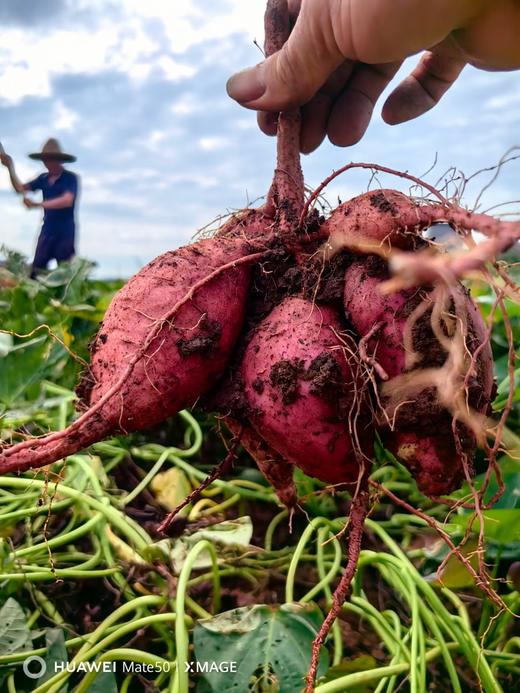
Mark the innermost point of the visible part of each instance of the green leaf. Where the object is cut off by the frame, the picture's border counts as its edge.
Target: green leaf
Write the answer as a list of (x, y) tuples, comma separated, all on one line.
[(510, 497), (270, 644), (21, 367), (501, 526), (503, 391), (322, 504), (504, 552), (454, 574), (105, 682), (56, 654), (57, 277), (15, 635), (502, 522)]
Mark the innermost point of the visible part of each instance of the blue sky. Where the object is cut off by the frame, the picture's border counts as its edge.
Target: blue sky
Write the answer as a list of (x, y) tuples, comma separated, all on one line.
[(137, 91)]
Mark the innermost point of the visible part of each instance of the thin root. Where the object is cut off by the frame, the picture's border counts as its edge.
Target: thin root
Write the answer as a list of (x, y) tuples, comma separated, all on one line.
[(358, 512), (217, 471)]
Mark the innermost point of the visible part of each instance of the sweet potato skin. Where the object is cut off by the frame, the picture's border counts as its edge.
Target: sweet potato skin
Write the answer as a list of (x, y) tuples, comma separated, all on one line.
[(301, 390), (366, 307), (433, 460), (277, 471)]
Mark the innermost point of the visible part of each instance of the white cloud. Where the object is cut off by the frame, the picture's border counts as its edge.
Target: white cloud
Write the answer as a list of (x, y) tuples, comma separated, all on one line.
[(64, 119), (187, 24), (174, 70), (511, 99), (197, 179), (247, 123), (155, 139), (210, 144), (29, 58), (18, 81), (186, 105)]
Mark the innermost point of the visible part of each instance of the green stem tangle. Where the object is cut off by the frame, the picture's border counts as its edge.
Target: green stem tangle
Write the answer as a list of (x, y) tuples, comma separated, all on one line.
[(437, 628)]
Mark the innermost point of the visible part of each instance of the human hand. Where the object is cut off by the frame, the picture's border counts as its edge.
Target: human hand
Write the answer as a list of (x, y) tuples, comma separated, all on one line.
[(6, 160), (31, 204), (342, 54)]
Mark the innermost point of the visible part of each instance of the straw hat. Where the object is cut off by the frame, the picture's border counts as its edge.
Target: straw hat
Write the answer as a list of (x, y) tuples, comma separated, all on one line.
[(53, 151)]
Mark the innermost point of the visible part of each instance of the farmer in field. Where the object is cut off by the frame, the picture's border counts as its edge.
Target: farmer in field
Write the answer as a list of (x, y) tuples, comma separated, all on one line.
[(342, 54), (59, 192)]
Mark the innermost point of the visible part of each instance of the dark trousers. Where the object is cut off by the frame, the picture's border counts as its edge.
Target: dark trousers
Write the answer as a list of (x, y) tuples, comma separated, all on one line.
[(49, 247)]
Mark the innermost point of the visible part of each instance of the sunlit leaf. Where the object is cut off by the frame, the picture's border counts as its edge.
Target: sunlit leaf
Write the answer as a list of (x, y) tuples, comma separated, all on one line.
[(231, 537), (455, 574), (171, 488)]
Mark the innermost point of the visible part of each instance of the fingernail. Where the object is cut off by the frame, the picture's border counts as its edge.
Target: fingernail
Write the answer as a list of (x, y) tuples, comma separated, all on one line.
[(247, 85)]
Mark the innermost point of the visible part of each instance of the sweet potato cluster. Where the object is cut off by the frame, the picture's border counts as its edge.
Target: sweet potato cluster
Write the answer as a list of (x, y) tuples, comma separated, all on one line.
[(289, 337)]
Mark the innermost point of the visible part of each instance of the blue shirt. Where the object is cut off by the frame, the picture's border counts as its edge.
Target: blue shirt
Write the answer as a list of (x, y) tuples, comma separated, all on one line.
[(57, 222)]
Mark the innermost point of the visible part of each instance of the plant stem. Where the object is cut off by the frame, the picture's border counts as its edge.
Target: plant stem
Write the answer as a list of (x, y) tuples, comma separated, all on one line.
[(346, 683), (181, 636), (286, 195)]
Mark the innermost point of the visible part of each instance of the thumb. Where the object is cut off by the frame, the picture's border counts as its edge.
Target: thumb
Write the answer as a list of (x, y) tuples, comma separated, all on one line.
[(292, 76)]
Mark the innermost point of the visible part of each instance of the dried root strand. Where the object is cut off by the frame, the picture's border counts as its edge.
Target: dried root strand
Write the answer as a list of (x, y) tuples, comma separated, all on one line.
[(363, 353), (218, 470)]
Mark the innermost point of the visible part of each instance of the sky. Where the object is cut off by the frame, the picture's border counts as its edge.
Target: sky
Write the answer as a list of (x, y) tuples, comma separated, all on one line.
[(136, 90)]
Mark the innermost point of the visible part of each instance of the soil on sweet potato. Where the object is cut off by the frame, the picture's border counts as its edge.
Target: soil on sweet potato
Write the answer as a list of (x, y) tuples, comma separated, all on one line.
[(228, 399), (206, 339), (323, 373), (284, 376), (274, 278), (380, 201), (326, 378)]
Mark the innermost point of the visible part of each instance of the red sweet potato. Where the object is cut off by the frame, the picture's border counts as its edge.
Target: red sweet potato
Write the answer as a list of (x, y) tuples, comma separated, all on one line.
[(187, 354), (433, 460), (277, 471), (166, 338), (300, 380), (376, 221), (417, 427)]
